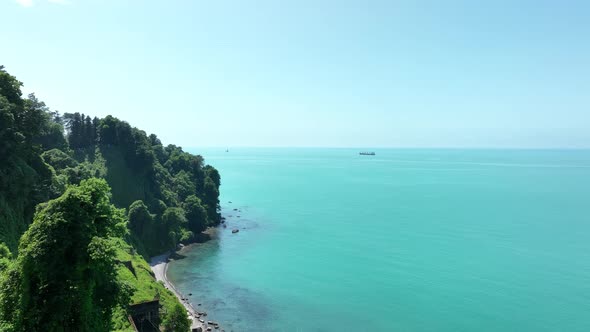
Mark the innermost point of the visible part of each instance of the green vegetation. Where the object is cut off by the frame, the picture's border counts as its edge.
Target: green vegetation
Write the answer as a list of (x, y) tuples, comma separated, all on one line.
[(176, 320), (25, 179), (90, 206), (141, 280), (64, 276)]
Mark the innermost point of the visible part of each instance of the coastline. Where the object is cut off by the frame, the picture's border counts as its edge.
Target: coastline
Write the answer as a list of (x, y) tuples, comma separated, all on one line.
[(159, 265)]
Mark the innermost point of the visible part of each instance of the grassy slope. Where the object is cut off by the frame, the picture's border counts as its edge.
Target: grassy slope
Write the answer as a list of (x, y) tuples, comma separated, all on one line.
[(146, 286)]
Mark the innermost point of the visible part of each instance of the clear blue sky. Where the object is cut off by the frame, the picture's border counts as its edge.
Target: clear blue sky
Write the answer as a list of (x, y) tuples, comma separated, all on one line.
[(313, 73)]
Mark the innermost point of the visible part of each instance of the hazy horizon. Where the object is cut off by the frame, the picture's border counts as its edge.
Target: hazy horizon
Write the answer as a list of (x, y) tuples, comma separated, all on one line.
[(388, 74)]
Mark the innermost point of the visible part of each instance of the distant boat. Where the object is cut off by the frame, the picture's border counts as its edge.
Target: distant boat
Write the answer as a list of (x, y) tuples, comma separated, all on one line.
[(367, 153)]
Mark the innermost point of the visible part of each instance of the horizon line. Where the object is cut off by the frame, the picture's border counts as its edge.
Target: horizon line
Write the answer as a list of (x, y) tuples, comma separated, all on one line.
[(383, 147)]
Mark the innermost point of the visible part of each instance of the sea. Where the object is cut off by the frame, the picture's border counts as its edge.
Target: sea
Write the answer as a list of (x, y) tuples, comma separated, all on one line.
[(405, 240)]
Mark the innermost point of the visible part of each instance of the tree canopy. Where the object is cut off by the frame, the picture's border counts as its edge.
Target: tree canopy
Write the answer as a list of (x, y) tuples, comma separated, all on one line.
[(64, 276)]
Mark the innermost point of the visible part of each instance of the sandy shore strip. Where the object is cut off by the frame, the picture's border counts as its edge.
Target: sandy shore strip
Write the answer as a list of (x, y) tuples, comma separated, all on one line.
[(159, 265)]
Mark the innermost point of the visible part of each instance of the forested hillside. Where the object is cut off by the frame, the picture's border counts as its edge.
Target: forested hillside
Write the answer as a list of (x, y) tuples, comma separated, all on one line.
[(86, 192)]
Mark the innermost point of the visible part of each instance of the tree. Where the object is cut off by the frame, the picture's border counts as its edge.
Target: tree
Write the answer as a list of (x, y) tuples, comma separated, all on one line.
[(173, 219), (211, 200), (213, 174), (33, 118), (58, 159), (88, 132), (140, 218), (176, 320), (5, 257), (64, 277), (95, 123), (51, 136), (10, 138), (183, 185), (75, 126), (107, 130), (10, 88), (196, 215)]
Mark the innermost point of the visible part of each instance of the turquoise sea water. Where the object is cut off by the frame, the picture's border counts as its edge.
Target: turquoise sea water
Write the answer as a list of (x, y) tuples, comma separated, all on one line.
[(407, 240)]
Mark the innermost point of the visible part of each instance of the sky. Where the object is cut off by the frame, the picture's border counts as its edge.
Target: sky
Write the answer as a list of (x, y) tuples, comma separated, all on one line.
[(313, 73)]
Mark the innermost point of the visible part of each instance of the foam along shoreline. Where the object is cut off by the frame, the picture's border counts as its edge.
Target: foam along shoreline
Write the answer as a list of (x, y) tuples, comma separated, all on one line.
[(159, 265)]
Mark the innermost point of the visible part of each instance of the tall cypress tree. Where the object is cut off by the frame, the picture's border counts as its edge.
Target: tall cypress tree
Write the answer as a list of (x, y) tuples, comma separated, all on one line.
[(95, 130), (76, 129), (88, 132)]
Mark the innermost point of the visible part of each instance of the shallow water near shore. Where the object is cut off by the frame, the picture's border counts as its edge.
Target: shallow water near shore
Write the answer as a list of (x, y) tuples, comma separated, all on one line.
[(407, 240)]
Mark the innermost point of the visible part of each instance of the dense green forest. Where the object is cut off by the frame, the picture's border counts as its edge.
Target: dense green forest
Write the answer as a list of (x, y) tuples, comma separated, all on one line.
[(79, 196)]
